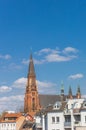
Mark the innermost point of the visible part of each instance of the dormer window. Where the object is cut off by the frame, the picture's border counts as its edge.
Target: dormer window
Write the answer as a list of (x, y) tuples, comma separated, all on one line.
[(57, 105), (84, 105)]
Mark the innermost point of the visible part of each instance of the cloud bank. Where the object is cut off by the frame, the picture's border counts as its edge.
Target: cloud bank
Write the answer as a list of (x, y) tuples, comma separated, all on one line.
[(5, 57), (54, 55), (76, 76)]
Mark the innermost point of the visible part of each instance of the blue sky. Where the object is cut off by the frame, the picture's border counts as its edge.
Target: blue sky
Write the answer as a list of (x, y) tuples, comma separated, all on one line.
[(55, 30)]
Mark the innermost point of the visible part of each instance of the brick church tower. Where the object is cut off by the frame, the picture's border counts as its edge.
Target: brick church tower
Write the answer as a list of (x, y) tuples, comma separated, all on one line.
[(31, 100)]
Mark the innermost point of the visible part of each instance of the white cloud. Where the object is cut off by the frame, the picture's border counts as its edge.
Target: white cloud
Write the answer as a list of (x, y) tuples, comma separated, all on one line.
[(76, 76), (13, 102), (20, 83), (45, 84), (5, 89), (46, 87), (47, 51), (26, 62), (57, 58), (54, 55), (14, 66), (70, 49), (16, 101), (11, 66), (38, 61), (12, 98), (6, 57)]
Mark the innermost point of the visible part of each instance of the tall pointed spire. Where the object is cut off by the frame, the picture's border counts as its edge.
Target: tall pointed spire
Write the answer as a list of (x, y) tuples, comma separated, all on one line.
[(70, 90), (78, 94), (62, 88), (62, 91), (31, 67), (31, 101), (70, 93)]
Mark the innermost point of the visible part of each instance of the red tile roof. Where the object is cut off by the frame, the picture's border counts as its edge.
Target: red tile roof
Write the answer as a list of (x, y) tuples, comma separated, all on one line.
[(8, 115)]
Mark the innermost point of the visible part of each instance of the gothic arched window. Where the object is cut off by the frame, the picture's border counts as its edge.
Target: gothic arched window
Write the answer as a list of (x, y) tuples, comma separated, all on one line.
[(33, 104)]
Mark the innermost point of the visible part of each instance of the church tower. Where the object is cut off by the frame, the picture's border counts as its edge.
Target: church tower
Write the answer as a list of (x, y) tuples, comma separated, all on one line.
[(78, 94), (31, 101), (62, 91), (70, 93)]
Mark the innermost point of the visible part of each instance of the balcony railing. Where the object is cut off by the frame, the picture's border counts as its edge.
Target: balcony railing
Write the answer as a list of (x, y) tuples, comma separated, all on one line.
[(67, 124), (77, 123)]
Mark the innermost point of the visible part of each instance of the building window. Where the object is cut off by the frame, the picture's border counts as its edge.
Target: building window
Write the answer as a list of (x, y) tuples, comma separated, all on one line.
[(68, 118), (57, 119), (13, 124), (53, 119), (4, 124), (85, 118), (33, 104)]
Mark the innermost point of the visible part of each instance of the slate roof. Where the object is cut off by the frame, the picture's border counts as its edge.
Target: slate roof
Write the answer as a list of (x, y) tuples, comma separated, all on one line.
[(46, 100)]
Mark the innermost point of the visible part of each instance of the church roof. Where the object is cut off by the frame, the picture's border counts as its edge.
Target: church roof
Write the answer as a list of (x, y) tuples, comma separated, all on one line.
[(46, 100)]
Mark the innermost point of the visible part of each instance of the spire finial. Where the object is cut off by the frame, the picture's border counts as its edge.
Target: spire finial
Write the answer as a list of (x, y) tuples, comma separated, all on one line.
[(62, 88), (62, 84)]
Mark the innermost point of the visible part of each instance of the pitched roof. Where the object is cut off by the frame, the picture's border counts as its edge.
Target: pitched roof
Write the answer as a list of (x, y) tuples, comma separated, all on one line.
[(46, 100), (8, 121), (50, 109), (8, 115)]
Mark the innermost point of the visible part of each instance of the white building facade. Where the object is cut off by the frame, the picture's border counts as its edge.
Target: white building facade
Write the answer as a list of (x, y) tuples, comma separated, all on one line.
[(8, 126), (67, 115), (12, 121), (55, 121)]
